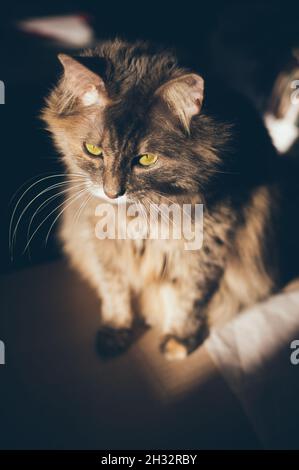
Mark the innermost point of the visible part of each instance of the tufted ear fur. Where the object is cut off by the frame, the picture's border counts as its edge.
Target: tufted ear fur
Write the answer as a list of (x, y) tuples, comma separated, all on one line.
[(83, 83), (184, 96)]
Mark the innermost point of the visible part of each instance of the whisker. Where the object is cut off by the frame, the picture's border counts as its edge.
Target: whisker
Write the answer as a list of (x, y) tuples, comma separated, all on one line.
[(223, 172), (72, 198), (81, 209), (46, 203), (164, 216), (55, 175), (21, 198), (172, 202), (81, 193), (12, 236), (143, 214)]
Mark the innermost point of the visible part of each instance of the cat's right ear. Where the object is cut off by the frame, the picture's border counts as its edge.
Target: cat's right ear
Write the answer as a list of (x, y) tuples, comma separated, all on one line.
[(83, 83), (183, 96)]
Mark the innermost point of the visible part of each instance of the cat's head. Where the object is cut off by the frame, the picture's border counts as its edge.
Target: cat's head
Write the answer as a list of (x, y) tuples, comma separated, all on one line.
[(131, 121)]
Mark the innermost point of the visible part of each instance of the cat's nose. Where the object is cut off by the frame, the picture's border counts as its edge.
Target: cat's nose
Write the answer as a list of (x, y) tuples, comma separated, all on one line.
[(113, 191), (113, 183)]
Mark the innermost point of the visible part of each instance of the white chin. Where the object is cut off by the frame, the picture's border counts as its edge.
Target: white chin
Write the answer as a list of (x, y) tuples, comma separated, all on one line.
[(98, 192)]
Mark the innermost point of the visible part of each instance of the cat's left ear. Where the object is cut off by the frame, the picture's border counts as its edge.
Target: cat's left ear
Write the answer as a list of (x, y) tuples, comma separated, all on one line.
[(184, 96), (82, 82)]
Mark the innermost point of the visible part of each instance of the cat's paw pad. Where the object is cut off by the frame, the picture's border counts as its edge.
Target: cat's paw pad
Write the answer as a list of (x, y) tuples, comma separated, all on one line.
[(174, 349), (113, 341)]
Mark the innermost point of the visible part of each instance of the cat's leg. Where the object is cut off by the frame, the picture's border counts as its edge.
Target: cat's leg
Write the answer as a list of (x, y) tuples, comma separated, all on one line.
[(116, 333), (171, 307), (101, 264), (177, 303), (183, 327), (226, 281), (115, 299)]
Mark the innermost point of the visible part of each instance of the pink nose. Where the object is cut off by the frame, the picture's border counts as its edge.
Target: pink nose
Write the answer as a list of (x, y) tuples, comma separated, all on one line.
[(113, 192), (112, 184)]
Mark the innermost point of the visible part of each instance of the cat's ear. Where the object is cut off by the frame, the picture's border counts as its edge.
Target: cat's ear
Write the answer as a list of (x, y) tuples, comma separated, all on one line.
[(82, 82), (184, 96)]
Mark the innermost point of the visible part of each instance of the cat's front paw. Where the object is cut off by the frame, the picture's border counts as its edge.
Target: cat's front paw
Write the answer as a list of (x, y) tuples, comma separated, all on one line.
[(113, 341), (173, 348)]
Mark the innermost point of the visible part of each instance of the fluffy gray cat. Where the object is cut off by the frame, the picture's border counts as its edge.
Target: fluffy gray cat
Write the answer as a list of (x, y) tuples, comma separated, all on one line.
[(132, 124)]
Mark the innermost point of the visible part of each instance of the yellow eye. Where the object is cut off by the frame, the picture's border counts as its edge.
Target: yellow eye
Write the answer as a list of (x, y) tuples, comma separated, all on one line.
[(148, 159), (94, 150)]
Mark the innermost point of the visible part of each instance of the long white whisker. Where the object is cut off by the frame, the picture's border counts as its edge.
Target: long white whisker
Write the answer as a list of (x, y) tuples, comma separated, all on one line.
[(13, 236), (81, 193), (21, 198), (165, 217), (46, 203), (49, 176), (45, 176), (81, 209), (42, 206), (172, 202), (72, 198), (144, 214)]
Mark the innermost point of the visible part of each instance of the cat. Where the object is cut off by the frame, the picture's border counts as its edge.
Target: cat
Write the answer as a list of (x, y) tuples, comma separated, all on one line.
[(120, 101)]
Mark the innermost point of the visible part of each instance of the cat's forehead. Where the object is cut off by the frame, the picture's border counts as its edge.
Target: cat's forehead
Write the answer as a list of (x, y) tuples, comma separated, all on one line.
[(127, 120)]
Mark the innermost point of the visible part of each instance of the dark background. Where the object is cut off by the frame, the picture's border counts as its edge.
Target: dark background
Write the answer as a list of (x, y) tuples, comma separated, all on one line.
[(244, 44)]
